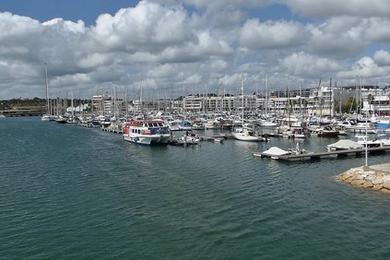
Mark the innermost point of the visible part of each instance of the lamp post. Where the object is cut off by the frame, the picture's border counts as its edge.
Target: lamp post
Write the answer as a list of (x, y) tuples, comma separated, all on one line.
[(366, 164)]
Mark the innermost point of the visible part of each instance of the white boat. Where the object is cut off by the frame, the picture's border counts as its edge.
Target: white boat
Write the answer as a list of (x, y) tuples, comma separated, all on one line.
[(245, 133), (372, 143), (267, 123), (362, 128), (46, 118), (180, 125), (344, 144), (273, 152), (212, 124), (2, 116), (61, 120), (189, 139), (146, 132)]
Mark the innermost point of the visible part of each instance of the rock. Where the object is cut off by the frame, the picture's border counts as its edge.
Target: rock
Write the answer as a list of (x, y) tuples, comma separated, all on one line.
[(377, 187), (347, 176), (377, 180), (367, 177), (386, 182), (367, 185), (357, 183), (385, 190)]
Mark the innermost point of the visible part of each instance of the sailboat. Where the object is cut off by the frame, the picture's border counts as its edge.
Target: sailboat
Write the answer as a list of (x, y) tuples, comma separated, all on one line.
[(244, 133), (47, 116)]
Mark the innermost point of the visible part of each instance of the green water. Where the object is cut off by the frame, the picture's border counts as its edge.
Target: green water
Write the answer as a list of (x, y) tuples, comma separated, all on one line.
[(76, 193)]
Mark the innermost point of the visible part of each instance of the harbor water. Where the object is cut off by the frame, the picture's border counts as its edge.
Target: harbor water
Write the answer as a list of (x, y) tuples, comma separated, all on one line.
[(76, 193)]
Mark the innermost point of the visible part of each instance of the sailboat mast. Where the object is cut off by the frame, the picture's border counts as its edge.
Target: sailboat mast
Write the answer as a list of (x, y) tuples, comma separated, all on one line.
[(72, 106), (47, 91), (266, 94), (242, 96)]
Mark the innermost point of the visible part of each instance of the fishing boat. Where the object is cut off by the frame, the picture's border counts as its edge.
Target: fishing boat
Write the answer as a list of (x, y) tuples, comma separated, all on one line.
[(146, 132)]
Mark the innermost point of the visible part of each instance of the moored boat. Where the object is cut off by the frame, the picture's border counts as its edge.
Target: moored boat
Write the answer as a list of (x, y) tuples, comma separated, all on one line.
[(146, 132)]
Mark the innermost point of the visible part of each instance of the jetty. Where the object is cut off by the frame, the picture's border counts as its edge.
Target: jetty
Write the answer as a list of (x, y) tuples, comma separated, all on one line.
[(321, 155), (374, 177)]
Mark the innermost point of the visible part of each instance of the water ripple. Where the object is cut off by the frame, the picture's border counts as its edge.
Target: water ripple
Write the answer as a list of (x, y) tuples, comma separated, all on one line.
[(70, 192)]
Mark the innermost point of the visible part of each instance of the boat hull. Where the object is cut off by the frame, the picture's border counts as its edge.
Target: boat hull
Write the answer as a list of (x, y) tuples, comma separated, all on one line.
[(148, 140), (241, 137)]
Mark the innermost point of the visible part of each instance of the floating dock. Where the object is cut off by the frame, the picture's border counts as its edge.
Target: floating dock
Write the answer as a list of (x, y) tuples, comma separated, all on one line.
[(111, 130), (321, 155)]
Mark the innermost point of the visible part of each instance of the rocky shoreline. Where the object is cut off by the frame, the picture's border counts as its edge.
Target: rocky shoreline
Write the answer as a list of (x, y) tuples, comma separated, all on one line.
[(375, 177)]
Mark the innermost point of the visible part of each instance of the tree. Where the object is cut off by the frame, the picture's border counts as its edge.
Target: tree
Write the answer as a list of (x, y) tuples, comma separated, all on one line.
[(370, 99), (349, 105)]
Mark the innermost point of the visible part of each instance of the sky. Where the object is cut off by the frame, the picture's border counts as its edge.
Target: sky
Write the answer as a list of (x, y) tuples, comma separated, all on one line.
[(170, 47)]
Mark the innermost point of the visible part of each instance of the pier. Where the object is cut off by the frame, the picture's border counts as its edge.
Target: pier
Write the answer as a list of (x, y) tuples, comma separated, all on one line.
[(322, 155)]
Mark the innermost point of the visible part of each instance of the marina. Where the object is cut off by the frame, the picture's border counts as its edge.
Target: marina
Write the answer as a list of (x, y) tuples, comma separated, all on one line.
[(83, 182), (193, 129)]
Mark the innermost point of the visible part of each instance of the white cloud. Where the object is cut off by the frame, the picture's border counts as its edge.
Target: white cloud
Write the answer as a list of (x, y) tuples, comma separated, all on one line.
[(340, 8), (148, 26), (365, 68), (308, 66), (225, 3), (346, 36), (382, 57), (281, 34), (167, 45)]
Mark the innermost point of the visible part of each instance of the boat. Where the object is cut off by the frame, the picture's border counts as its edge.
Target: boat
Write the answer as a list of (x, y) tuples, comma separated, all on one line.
[(47, 116), (362, 128), (218, 140), (186, 140), (273, 152), (246, 133), (268, 123), (180, 125), (363, 140), (146, 132), (382, 124), (212, 124), (298, 133), (276, 153), (61, 120), (327, 131), (344, 144)]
